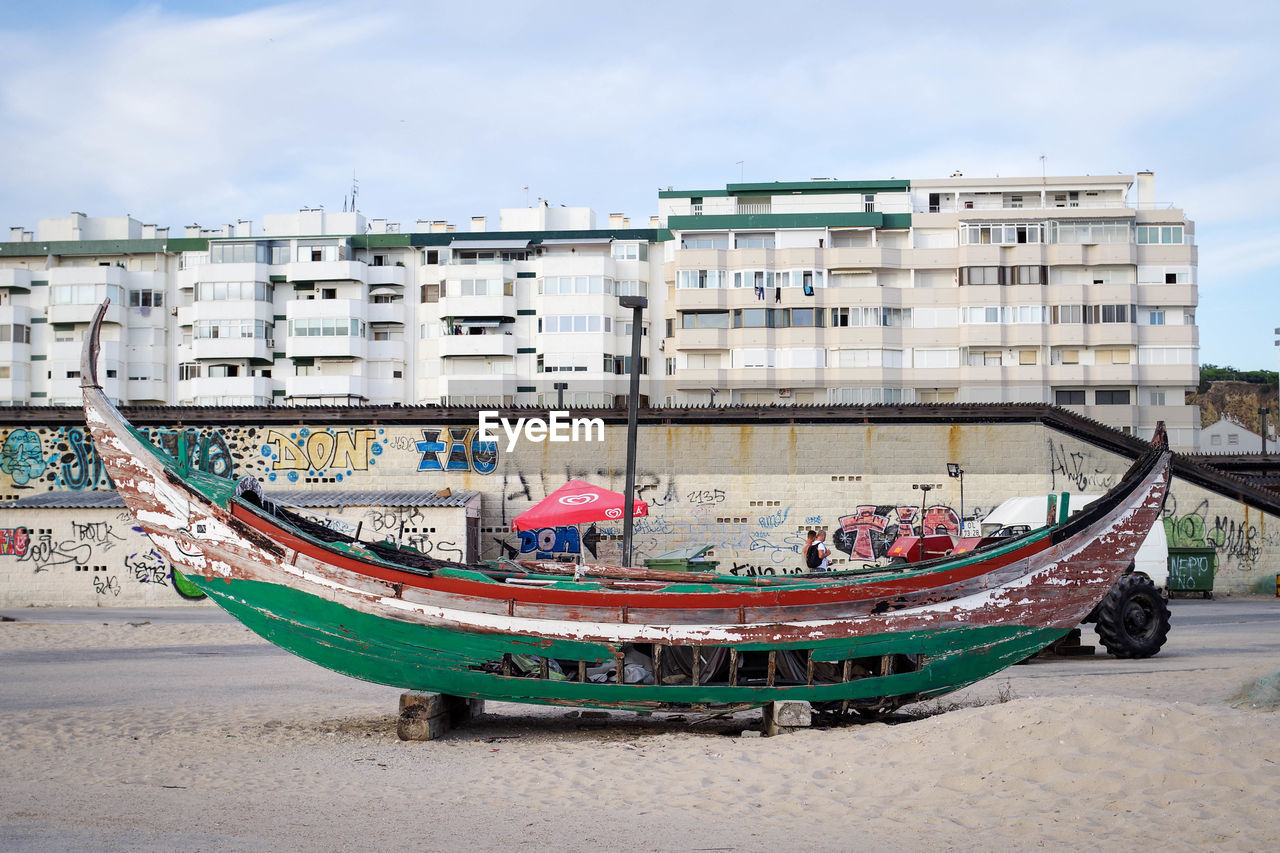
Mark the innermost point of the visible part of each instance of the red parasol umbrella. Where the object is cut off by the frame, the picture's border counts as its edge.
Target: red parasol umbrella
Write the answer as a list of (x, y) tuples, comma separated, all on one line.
[(576, 502)]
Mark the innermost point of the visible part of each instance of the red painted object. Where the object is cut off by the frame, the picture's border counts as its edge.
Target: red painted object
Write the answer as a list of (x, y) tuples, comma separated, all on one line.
[(576, 502)]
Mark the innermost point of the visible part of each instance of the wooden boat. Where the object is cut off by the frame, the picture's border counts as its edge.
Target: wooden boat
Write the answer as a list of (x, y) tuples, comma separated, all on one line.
[(540, 632)]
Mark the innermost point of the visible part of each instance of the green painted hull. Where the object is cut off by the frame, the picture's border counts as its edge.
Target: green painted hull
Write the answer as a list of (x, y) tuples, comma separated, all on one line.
[(429, 658)]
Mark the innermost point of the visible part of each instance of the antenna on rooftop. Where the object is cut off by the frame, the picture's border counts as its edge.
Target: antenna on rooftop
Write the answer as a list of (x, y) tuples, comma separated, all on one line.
[(355, 190)]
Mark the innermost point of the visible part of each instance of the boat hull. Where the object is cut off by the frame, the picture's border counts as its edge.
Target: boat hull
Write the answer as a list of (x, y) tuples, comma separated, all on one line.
[(528, 634)]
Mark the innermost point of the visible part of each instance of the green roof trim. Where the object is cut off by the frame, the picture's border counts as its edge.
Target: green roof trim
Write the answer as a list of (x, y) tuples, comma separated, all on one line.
[(526, 349), (380, 241), (277, 278), (650, 235), (101, 247), (39, 319), (277, 392), (526, 312), (44, 283), (789, 220), (526, 389), (38, 357), (526, 275), (693, 193), (279, 317)]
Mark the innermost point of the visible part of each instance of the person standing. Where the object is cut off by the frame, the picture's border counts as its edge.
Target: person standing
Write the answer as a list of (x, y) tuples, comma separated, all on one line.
[(824, 552)]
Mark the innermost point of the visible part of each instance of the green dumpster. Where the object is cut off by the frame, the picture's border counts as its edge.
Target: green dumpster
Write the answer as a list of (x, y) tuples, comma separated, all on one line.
[(1192, 570), (683, 560)]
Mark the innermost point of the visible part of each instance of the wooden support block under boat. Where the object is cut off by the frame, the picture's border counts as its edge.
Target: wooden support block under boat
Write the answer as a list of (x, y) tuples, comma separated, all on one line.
[(781, 716), (428, 716)]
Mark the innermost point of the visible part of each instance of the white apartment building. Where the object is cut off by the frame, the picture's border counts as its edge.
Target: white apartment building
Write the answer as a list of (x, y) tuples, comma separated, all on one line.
[(1058, 290), (327, 308), (1055, 290)]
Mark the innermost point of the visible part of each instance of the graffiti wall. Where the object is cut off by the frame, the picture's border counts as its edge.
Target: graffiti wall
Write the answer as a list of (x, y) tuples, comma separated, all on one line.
[(750, 492)]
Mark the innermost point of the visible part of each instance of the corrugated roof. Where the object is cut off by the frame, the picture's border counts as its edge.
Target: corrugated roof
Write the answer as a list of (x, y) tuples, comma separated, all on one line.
[(318, 498)]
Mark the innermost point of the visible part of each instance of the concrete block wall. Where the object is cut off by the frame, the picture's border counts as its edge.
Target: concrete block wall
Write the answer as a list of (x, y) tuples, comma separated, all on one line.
[(750, 491)]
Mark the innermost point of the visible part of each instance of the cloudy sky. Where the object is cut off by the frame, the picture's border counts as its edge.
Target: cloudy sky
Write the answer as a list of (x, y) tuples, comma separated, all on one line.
[(184, 112)]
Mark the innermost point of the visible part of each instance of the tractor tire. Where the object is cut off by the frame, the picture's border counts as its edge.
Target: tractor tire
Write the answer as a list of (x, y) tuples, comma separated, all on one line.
[(1133, 619)]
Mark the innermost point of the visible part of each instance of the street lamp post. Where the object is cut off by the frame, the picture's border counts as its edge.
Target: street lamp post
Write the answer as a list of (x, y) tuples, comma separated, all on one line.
[(637, 304), (954, 470), (560, 389), (1264, 411)]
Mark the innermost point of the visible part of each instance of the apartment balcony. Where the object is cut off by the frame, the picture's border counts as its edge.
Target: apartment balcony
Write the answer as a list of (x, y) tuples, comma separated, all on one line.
[(65, 355), (386, 392), (188, 278), (1092, 374), (224, 388), (15, 390), (1167, 374), (475, 346), (222, 309), (244, 271), (387, 275), (341, 386), (326, 346), (693, 300), (981, 255), (1113, 416), (10, 313), (83, 312), (87, 275), (386, 351), (15, 353), (15, 279), (479, 385), (691, 379), (1168, 255), (700, 339), (1169, 336), (849, 258), (147, 390), (1186, 295), (326, 271), (254, 349), (479, 306), (1110, 334), (1065, 254)]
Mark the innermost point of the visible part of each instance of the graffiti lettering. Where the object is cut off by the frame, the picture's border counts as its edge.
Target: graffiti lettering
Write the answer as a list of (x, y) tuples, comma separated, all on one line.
[(774, 520), (705, 496), (22, 456), (14, 541), (81, 468), (104, 585), (350, 449), (147, 567), (206, 450), (750, 571), (462, 452), (546, 542), (43, 553), (97, 533), (859, 531), (393, 518)]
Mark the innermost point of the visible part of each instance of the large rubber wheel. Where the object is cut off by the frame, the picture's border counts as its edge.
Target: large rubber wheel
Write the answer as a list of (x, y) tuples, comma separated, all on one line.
[(1133, 620)]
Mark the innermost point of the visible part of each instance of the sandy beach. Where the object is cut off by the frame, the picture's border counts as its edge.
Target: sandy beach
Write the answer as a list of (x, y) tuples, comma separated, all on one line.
[(164, 731)]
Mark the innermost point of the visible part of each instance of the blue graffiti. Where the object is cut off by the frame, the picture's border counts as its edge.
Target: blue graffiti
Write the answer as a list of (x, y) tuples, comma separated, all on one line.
[(81, 467), (462, 452), (546, 542), (776, 519), (22, 456)]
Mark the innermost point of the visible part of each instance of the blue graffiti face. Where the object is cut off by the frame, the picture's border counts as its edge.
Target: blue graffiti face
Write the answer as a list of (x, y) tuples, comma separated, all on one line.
[(22, 456)]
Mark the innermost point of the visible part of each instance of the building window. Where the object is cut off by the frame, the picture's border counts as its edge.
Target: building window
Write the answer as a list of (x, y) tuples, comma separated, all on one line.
[(222, 291), (753, 241), (240, 253), (671, 367), (188, 370), (1026, 356), (979, 275), (1156, 398), (704, 241), (1000, 233), (704, 319), (223, 371), (1031, 275), (1111, 398), (146, 299), (1162, 234), (868, 203), (1215, 440), (699, 279), (1075, 232), (1068, 398), (1155, 318), (1233, 438), (839, 317)]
